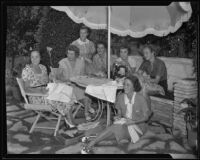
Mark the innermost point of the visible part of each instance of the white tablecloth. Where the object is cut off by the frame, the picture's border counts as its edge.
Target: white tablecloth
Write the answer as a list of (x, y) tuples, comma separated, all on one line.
[(104, 92)]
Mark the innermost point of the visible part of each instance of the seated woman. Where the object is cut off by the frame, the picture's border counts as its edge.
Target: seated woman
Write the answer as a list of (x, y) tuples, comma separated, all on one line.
[(35, 80), (73, 66), (100, 60), (133, 113), (126, 60), (35, 75), (153, 67)]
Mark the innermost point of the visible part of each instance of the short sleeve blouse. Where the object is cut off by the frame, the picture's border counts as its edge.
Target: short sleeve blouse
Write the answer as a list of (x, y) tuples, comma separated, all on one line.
[(35, 79)]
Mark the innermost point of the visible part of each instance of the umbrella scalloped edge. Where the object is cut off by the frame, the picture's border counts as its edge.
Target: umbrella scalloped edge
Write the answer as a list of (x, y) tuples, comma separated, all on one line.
[(153, 31)]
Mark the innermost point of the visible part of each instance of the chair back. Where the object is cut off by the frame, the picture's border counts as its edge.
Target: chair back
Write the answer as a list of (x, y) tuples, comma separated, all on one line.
[(21, 86)]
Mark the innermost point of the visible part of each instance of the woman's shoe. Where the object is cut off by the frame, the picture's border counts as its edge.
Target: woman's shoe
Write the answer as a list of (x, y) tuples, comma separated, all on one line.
[(88, 118), (85, 139), (85, 150), (91, 110), (69, 124)]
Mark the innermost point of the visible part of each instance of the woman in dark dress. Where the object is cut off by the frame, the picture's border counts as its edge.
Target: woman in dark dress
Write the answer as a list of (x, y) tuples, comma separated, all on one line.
[(153, 67)]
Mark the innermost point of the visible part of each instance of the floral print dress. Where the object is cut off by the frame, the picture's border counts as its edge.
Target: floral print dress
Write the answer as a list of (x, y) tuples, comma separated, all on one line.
[(38, 80)]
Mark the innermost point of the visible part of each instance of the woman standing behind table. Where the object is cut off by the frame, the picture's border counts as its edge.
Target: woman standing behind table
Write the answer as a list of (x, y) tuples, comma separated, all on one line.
[(86, 47), (73, 66), (133, 113), (100, 59)]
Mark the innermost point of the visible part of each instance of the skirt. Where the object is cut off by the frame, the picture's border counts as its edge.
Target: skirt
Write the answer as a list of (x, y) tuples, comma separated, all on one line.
[(61, 107)]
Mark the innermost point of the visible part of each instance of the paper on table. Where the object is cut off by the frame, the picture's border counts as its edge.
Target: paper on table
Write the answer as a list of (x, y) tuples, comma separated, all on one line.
[(60, 92)]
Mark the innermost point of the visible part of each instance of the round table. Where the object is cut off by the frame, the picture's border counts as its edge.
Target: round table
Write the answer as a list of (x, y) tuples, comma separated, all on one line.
[(84, 81)]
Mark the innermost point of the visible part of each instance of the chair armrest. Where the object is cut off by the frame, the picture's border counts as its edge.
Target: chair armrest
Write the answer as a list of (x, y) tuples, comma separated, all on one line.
[(37, 94)]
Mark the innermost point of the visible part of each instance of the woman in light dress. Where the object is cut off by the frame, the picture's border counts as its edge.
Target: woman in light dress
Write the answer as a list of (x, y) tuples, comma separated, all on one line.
[(73, 66), (86, 48), (35, 79)]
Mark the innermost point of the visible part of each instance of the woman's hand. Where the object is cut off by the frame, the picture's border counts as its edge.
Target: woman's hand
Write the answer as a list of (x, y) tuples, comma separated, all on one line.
[(88, 60), (100, 74), (69, 83), (44, 90), (129, 122), (52, 77), (43, 80)]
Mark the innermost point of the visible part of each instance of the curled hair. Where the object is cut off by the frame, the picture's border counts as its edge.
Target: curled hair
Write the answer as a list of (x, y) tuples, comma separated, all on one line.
[(73, 48), (125, 47), (30, 52), (135, 81), (101, 42), (86, 28), (35, 51), (151, 47)]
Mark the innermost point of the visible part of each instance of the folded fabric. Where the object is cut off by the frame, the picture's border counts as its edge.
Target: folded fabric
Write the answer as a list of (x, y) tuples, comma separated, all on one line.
[(104, 92), (60, 92)]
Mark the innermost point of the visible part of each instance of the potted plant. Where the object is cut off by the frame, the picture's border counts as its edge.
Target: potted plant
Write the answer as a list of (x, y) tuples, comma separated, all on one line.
[(190, 117)]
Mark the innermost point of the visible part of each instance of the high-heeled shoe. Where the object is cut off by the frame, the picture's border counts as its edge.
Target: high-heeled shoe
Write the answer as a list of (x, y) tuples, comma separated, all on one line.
[(86, 150), (85, 139), (91, 110), (88, 118)]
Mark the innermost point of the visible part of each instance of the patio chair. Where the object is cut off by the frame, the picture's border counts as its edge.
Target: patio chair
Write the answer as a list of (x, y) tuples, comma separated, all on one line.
[(41, 108), (57, 72)]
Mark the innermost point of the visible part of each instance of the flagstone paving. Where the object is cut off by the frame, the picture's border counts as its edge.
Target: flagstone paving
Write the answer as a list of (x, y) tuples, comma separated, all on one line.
[(19, 141)]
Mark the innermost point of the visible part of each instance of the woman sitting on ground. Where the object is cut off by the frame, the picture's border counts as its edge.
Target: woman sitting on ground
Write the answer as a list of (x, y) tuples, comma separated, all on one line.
[(133, 113), (73, 66)]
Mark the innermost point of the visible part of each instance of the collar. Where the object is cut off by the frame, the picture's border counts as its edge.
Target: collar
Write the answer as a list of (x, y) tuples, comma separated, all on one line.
[(127, 100), (81, 42)]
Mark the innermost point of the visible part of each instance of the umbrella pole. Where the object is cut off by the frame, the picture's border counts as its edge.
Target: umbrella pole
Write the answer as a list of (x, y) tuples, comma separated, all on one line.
[(109, 41)]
